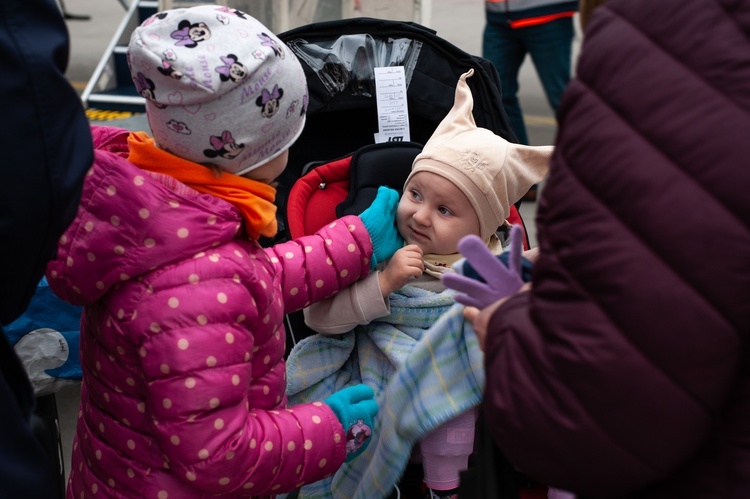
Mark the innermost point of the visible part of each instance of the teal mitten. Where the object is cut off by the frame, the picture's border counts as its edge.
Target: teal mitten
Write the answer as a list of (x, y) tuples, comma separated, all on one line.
[(380, 221), (356, 408)]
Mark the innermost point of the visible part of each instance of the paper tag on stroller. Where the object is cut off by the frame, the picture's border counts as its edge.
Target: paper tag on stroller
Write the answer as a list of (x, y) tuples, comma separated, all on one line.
[(393, 109)]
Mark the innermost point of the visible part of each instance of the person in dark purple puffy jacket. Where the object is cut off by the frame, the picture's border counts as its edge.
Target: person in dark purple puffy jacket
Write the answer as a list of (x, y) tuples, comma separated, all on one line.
[(625, 370)]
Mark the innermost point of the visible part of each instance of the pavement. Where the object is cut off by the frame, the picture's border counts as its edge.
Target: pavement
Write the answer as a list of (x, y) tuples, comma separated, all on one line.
[(457, 21)]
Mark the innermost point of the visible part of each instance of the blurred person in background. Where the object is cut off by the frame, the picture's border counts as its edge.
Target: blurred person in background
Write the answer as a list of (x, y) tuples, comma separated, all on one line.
[(542, 29)]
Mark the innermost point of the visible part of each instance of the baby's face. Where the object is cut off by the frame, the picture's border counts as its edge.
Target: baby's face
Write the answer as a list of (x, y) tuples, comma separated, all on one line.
[(434, 214)]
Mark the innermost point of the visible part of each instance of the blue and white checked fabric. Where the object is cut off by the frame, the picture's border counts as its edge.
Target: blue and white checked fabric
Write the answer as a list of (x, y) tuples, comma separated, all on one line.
[(420, 380)]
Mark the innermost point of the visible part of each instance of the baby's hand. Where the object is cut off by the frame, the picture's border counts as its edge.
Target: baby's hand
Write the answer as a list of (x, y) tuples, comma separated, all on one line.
[(406, 263)]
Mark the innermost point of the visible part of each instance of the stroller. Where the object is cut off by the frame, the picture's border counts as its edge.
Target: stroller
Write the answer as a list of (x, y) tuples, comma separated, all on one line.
[(335, 167)]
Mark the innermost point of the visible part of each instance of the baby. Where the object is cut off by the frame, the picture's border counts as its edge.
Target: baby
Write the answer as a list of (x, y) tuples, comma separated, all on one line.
[(463, 182)]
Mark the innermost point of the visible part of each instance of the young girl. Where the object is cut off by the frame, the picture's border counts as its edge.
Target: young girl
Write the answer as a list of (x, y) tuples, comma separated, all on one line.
[(182, 336), (463, 182)]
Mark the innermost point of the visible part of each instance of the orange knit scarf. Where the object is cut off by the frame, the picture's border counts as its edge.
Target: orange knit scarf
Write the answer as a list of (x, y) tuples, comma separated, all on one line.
[(252, 198)]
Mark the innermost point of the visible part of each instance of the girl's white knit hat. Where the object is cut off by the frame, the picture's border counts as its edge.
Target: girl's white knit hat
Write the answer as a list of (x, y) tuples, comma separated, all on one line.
[(220, 88), (492, 172)]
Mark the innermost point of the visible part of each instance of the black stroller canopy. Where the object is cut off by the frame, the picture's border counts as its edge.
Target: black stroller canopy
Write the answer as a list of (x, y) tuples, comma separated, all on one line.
[(339, 59)]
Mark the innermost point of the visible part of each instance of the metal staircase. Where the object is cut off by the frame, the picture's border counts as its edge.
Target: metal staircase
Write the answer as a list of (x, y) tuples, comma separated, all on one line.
[(110, 86)]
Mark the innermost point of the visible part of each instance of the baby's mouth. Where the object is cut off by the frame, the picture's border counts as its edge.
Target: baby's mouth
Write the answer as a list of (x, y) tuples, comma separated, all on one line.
[(418, 235)]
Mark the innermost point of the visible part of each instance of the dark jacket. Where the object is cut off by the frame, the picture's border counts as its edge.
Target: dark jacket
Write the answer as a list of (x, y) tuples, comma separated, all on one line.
[(625, 372), (46, 150), (46, 146)]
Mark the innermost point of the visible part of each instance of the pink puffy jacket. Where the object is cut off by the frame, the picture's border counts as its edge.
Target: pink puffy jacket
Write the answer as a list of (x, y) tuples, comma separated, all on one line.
[(182, 339)]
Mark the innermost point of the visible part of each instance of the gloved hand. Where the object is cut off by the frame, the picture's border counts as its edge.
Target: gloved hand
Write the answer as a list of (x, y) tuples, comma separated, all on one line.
[(356, 408), (500, 280), (380, 221), (463, 267)]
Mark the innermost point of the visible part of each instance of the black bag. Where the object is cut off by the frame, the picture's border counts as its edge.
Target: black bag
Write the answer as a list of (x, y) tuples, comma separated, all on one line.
[(490, 475), (43, 423)]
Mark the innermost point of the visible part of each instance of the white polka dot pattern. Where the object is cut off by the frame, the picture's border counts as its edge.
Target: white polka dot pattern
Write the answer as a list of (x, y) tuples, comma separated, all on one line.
[(185, 341)]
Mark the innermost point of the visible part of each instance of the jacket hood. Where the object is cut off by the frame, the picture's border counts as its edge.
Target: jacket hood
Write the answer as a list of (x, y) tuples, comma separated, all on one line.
[(131, 222)]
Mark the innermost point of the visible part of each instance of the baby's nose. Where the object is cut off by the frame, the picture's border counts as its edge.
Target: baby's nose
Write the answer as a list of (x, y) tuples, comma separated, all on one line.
[(422, 217)]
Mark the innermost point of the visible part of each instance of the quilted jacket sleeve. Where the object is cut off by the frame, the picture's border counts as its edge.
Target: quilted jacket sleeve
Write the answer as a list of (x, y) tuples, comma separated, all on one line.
[(614, 371), (315, 267), (212, 380)]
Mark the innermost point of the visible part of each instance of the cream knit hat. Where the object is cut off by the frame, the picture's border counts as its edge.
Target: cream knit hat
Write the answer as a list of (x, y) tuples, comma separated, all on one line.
[(220, 88), (492, 172)]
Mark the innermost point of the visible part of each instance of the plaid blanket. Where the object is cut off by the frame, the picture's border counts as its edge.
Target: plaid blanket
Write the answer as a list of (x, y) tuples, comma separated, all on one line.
[(424, 363), (320, 365)]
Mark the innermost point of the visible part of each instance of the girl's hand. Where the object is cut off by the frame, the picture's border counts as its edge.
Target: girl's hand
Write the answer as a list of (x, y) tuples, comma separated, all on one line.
[(380, 221)]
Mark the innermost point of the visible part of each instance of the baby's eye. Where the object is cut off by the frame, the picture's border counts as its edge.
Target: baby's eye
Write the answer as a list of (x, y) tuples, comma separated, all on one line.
[(415, 195), (445, 211)]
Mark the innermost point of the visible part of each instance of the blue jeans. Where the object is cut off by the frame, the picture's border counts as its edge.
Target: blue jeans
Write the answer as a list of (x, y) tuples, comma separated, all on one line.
[(550, 47)]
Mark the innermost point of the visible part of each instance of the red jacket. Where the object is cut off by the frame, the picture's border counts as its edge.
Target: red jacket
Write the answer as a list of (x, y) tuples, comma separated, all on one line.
[(625, 372)]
